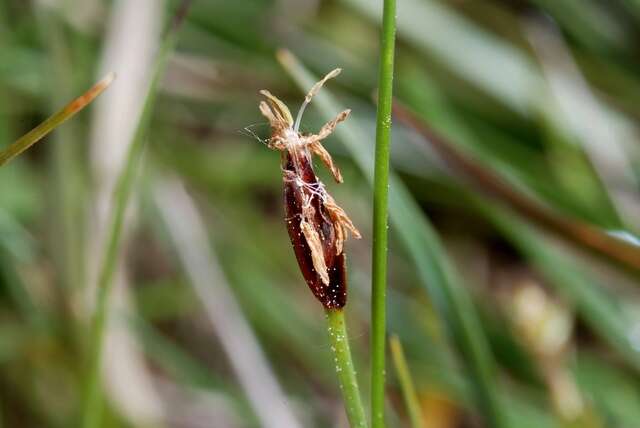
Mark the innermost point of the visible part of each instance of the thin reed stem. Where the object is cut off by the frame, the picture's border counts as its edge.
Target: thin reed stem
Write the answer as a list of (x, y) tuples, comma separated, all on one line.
[(345, 369), (406, 382), (380, 214)]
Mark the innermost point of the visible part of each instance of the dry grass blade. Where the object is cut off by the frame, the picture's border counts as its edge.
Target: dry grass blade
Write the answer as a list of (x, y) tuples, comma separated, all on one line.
[(66, 113), (579, 232)]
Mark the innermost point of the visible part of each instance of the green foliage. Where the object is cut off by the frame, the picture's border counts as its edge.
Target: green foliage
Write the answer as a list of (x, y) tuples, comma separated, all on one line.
[(547, 104)]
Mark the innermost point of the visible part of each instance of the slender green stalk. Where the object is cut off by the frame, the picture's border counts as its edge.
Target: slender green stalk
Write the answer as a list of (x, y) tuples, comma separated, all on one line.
[(92, 408), (380, 214), (406, 382), (68, 111), (344, 367)]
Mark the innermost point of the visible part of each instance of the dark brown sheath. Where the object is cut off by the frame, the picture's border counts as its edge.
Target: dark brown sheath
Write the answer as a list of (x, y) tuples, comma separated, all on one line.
[(333, 295)]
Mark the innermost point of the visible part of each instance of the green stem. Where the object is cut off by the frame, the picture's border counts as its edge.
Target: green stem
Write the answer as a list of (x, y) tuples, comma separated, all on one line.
[(344, 368), (406, 383), (380, 214), (92, 408)]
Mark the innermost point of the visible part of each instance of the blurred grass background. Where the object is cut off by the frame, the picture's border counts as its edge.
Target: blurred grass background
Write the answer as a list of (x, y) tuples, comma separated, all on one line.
[(212, 324)]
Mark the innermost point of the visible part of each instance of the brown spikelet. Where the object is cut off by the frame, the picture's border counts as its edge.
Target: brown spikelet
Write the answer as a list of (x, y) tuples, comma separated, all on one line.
[(317, 226)]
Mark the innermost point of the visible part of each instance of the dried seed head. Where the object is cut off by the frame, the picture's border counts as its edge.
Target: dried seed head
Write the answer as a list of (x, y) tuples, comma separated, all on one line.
[(317, 226)]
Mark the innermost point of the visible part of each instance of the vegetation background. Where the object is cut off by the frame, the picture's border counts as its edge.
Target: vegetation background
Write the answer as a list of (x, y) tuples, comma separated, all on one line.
[(498, 308)]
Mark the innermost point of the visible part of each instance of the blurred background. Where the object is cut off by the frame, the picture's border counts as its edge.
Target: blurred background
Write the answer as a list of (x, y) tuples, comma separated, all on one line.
[(211, 322)]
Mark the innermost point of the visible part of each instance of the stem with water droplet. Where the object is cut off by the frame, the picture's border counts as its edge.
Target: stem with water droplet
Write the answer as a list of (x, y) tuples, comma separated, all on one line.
[(380, 213), (344, 368)]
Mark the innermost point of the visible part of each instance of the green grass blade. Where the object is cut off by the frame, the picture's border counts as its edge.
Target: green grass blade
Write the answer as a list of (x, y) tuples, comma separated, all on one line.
[(66, 113), (406, 382), (381, 215), (122, 193), (599, 310), (581, 233), (425, 249)]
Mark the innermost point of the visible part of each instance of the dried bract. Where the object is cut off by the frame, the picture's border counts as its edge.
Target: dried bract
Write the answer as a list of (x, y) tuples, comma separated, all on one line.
[(317, 226)]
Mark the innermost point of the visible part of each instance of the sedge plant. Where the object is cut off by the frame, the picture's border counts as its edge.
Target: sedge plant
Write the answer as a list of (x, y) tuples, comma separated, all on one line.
[(318, 227), (435, 270)]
